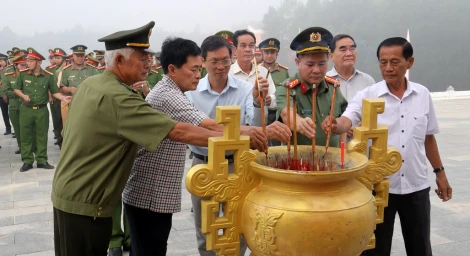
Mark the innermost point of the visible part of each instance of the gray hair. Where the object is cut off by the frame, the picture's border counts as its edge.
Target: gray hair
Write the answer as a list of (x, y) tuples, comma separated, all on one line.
[(110, 56)]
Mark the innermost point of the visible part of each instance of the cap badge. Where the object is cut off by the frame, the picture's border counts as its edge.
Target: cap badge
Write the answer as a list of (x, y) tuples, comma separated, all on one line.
[(271, 42), (80, 48), (224, 35), (315, 37)]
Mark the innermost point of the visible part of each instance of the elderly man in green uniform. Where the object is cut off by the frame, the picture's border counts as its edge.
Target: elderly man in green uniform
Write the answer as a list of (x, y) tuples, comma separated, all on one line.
[(8, 80), (312, 48), (32, 86), (71, 76), (107, 121)]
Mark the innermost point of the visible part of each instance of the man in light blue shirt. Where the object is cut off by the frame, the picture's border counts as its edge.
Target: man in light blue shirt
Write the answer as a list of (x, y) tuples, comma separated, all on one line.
[(217, 88)]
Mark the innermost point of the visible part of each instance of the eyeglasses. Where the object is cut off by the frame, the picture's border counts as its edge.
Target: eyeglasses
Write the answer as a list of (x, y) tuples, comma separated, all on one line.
[(225, 63)]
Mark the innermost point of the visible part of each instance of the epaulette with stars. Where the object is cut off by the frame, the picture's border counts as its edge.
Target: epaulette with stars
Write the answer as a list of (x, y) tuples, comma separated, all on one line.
[(332, 80), (292, 83), (154, 71), (282, 66)]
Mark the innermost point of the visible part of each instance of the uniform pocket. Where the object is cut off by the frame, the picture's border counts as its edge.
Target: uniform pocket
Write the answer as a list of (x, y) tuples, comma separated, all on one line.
[(420, 125)]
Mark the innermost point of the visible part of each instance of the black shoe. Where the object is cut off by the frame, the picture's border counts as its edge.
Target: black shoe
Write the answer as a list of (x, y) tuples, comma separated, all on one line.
[(26, 167), (14, 136), (58, 142), (18, 152), (55, 137), (45, 166), (7, 132), (126, 248), (115, 251)]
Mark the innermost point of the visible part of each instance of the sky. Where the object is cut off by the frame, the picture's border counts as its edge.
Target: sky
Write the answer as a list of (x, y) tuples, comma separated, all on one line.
[(108, 16)]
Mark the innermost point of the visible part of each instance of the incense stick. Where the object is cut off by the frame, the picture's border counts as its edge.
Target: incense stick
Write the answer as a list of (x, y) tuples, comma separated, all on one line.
[(314, 117), (261, 100), (332, 109), (294, 103)]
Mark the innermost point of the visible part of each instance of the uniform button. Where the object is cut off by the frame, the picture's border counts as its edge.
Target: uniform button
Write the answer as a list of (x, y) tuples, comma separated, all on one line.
[(403, 175), (402, 161), (99, 214), (402, 130), (401, 116), (101, 208), (401, 102), (403, 146)]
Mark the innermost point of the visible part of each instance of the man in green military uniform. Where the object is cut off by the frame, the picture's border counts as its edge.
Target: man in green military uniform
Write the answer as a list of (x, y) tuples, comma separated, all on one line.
[(312, 48), (4, 68), (107, 122), (100, 57), (32, 86), (58, 57), (8, 81), (71, 76), (155, 74)]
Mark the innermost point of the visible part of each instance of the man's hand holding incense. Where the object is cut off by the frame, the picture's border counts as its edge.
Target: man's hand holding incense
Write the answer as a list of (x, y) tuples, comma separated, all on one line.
[(278, 131)]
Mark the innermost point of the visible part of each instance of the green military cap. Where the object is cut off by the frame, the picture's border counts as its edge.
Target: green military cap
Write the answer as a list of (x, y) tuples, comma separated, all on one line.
[(15, 49), (136, 38), (99, 54), (270, 44), (226, 34), (3, 56), (90, 54), (78, 49), (314, 39), (20, 53), (59, 52), (92, 61), (10, 54), (19, 59), (33, 54)]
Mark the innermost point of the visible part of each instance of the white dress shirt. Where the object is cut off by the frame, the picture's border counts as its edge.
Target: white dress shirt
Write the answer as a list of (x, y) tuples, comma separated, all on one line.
[(409, 120), (357, 82), (237, 72)]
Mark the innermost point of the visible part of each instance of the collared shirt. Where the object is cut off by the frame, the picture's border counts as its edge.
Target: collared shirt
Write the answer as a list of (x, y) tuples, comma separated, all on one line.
[(236, 92), (409, 120), (304, 108), (279, 73), (71, 76), (236, 71), (106, 123), (155, 180), (35, 86), (357, 82)]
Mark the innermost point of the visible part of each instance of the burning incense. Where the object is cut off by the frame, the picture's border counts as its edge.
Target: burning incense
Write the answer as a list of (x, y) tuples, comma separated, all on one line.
[(314, 116), (332, 109), (294, 103), (261, 101)]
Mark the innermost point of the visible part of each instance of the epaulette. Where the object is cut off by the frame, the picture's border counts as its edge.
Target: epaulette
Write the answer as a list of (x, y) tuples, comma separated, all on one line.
[(68, 66), (157, 68), (101, 67), (282, 66), (49, 72), (292, 83), (9, 73), (154, 71), (332, 80), (23, 70), (52, 66), (90, 65)]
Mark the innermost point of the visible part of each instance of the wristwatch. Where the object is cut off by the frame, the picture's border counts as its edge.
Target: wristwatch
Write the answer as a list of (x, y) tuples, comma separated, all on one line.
[(438, 169)]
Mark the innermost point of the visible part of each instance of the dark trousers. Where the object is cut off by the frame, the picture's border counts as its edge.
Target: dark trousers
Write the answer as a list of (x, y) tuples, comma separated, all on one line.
[(272, 119), (6, 117), (414, 211), (80, 235), (149, 231)]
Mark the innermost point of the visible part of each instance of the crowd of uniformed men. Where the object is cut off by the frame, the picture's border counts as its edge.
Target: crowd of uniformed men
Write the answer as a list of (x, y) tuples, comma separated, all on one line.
[(101, 166)]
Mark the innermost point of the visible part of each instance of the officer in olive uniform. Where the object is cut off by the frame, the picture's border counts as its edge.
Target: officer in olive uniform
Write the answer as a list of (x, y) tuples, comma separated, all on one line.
[(100, 57), (32, 86), (58, 56), (155, 74), (312, 48), (71, 76), (8, 81)]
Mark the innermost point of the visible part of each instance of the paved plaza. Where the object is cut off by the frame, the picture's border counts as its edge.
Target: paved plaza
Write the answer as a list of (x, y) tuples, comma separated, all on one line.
[(26, 226)]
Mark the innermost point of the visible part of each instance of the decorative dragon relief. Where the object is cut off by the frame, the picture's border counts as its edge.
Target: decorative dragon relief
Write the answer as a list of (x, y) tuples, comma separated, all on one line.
[(264, 235)]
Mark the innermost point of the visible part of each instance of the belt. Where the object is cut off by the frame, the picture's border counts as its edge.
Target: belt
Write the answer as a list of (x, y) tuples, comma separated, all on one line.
[(206, 158), (35, 107), (272, 110)]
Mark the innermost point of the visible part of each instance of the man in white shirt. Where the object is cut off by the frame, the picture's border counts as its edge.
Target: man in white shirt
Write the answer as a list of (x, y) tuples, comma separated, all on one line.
[(343, 54), (244, 43), (411, 120)]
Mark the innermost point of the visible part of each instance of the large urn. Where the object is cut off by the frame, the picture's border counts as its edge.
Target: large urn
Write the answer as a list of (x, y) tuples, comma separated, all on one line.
[(284, 212)]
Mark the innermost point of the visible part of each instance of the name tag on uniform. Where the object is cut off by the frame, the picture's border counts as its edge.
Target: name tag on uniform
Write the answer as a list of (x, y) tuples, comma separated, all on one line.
[(27, 81), (71, 76), (306, 111), (12, 82)]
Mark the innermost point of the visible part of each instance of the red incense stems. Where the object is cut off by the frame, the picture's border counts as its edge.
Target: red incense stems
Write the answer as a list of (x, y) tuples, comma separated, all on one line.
[(288, 120), (342, 154)]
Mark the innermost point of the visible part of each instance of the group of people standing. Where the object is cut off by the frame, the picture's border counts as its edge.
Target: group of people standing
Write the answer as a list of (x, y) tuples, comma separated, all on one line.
[(124, 141)]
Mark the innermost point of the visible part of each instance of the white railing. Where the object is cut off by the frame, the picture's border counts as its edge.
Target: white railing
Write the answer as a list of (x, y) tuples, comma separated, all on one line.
[(450, 94)]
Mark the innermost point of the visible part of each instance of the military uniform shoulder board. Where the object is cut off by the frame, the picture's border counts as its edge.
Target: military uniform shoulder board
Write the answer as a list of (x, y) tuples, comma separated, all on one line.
[(23, 70), (282, 66), (332, 80), (157, 68), (49, 72), (52, 66), (292, 83), (90, 65), (9, 73), (101, 67), (154, 71), (68, 66)]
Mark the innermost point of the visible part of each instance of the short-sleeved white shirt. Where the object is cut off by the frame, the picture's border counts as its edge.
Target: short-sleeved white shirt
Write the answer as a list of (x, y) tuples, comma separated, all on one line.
[(409, 120)]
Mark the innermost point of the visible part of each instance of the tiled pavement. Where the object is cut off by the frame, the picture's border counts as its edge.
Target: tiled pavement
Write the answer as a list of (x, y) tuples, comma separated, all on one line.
[(26, 211)]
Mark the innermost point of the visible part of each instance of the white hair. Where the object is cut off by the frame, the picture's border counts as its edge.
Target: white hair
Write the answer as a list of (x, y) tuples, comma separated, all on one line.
[(110, 56)]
